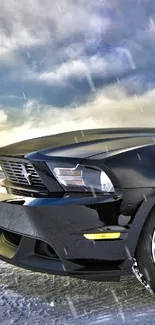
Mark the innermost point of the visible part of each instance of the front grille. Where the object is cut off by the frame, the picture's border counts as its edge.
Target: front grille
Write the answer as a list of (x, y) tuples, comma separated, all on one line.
[(22, 192), (23, 176)]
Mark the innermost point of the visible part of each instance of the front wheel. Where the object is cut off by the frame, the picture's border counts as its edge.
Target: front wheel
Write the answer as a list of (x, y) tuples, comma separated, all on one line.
[(145, 254)]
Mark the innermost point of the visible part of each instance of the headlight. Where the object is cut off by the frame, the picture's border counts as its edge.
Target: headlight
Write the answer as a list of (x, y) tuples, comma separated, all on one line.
[(82, 178)]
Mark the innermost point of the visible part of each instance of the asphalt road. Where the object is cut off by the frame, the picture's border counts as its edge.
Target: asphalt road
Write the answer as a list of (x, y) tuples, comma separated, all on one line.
[(31, 298)]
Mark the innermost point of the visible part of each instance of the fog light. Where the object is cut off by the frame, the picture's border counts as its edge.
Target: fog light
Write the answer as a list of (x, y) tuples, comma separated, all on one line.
[(2, 188)]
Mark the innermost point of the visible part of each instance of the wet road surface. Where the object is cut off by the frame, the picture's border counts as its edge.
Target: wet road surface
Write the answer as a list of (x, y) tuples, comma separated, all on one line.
[(35, 299)]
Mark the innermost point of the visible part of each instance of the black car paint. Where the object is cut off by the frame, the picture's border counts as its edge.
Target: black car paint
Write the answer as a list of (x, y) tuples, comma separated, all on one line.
[(54, 142), (127, 156)]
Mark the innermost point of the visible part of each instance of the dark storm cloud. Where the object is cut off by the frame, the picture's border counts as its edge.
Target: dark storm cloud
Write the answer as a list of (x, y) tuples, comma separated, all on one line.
[(70, 64)]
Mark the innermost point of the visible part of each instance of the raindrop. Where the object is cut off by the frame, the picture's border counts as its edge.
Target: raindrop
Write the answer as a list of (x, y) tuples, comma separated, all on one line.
[(16, 280), (130, 59), (82, 133), (71, 307), (141, 108), (128, 252), (147, 274), (139, 157), (106, 149), (59, 8), (8, 312), (145, 198), (65, 251), (28, 54), (76, 140), (119, 305), (126, 293), (90, 81), (24, 96), (93, 192), (29, 306), (152, 25)]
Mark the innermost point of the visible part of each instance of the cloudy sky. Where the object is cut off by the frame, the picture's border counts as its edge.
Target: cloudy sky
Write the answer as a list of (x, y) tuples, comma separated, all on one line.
[(75, 64)]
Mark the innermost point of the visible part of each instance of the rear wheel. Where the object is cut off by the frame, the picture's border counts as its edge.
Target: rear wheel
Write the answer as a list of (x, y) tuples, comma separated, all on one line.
[(145, 254)]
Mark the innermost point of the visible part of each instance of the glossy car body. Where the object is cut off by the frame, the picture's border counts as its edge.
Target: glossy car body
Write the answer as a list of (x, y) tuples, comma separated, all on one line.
[(46, 229)]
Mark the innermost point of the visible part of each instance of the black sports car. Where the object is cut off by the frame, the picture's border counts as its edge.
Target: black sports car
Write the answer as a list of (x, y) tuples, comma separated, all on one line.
[(81, 204)]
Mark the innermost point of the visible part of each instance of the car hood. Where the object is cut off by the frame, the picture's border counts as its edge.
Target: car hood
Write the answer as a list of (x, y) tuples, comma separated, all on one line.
[(82, 144)]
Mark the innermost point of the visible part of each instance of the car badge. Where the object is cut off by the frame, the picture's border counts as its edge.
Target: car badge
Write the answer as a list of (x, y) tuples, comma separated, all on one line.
[(26, 175)]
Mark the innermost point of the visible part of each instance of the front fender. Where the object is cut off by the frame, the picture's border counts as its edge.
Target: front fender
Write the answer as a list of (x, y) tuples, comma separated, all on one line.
[(139, 220)]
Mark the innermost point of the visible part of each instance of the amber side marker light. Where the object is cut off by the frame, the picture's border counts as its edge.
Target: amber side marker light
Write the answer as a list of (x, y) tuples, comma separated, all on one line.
[(102, 236)]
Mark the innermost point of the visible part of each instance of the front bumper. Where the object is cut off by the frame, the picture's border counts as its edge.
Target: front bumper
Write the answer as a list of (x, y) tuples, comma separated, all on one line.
[(61, 224)]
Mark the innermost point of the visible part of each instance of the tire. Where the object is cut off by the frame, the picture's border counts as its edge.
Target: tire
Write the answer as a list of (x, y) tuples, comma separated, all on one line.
[(144, 254)]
